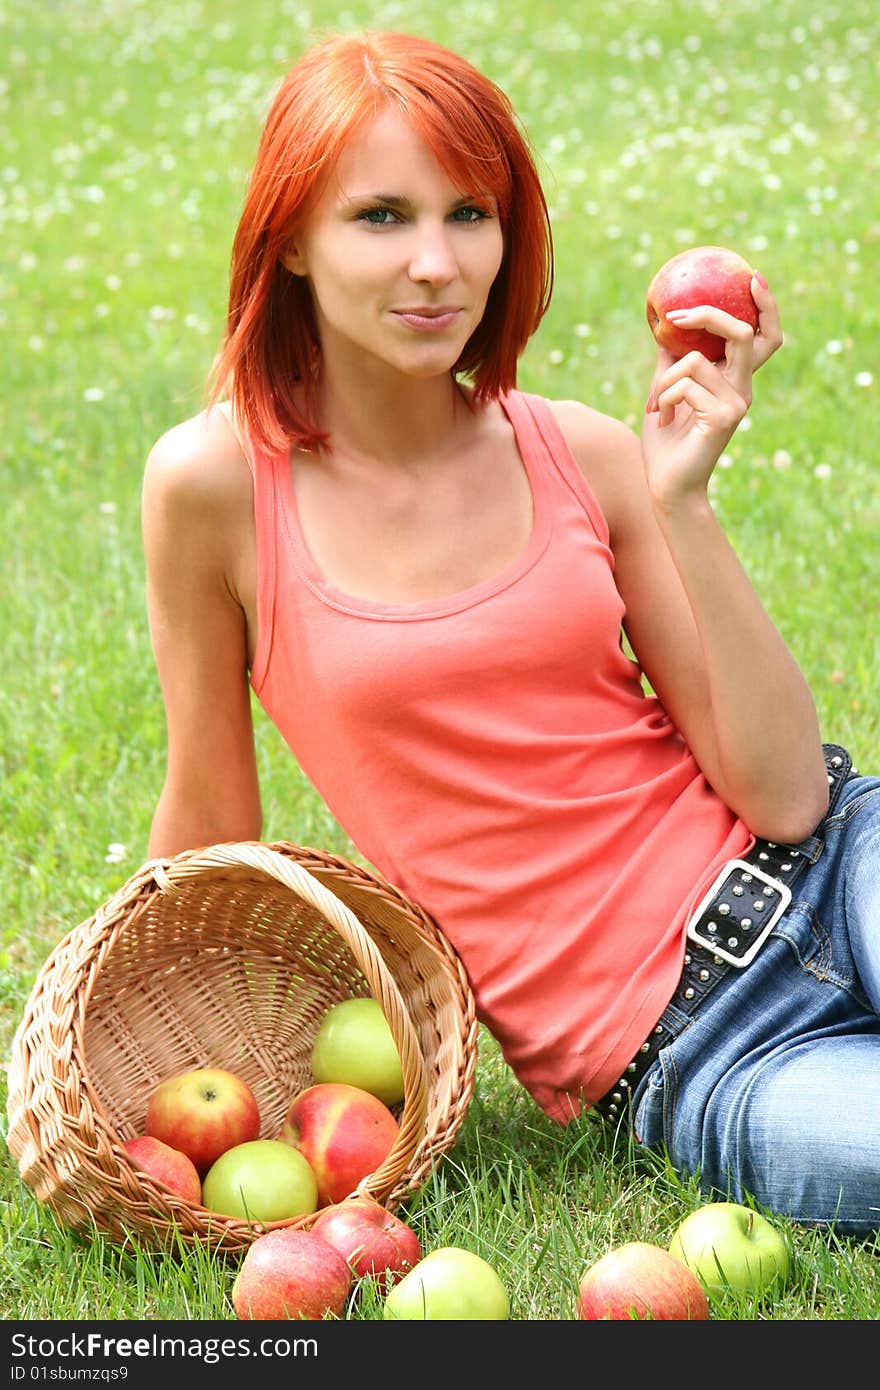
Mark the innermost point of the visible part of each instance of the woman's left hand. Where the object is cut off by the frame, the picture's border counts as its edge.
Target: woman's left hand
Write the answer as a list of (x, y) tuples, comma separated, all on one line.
[(695, 405)]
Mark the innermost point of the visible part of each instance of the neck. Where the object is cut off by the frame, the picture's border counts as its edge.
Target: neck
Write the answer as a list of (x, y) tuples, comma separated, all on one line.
[(392, 421)]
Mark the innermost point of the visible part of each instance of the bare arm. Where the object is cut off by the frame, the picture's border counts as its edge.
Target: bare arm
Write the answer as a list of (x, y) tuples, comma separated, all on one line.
[(709, 649), (193, 493)]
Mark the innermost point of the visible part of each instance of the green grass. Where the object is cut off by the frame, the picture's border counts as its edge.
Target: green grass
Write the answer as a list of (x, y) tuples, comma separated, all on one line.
[(126, 133)]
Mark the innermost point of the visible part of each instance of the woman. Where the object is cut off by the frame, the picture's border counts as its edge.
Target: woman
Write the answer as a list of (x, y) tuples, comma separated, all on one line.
[(426, 575)]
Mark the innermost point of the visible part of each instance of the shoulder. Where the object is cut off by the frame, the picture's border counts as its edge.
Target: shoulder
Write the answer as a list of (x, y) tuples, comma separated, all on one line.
[(607, 452), (199, 461), (589, 432)]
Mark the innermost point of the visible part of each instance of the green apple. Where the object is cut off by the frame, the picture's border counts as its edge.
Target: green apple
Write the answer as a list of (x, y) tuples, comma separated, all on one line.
[(354, 1046), (729, 1246), (449, 1284), (261, 1180)]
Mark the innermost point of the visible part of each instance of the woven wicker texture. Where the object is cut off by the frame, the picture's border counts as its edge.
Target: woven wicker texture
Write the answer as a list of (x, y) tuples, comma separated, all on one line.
[(227, 957)]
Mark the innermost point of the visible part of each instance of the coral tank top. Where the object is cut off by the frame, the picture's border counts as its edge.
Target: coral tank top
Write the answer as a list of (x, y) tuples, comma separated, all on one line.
[(494, 754)]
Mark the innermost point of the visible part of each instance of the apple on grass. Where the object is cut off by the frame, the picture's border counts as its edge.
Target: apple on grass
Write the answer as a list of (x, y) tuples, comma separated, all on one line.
[(354, 1045), (448, 1284), (168, 1166), (702, 275), (202, 1113), (346, 1133), (372, 1239), (291, 1273), (730, 1246), (640, 1281), (260, 1180)]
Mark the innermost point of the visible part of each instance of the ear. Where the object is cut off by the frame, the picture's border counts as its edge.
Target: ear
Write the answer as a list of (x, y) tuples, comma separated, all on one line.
[(294, 260)]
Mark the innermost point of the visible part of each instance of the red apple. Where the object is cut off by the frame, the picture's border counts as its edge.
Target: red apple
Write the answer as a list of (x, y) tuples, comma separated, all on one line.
[(203, 1113), (372, 1239), (166, 1165), (640, 1281), (290, 1273), (703, 275), (344, 1132)]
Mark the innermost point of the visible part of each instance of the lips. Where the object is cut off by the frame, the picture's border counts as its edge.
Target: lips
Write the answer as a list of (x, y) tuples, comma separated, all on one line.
[(428, 318), (425, 311)]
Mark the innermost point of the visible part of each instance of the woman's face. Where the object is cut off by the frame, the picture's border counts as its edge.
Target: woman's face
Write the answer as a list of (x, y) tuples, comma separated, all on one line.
[(398, 259)]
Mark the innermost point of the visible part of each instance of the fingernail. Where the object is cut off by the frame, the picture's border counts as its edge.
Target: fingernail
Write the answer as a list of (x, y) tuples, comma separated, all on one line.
[(677, 313), (649, 405), (760, 279)]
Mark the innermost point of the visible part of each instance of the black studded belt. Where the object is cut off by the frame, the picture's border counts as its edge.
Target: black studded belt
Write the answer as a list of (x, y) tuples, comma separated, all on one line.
[(728, 929)]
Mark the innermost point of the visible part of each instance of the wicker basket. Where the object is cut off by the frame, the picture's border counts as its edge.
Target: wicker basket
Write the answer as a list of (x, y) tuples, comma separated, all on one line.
[(227, 957)]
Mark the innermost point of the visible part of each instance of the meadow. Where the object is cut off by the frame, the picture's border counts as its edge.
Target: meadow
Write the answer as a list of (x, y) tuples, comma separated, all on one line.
[(126, 132)]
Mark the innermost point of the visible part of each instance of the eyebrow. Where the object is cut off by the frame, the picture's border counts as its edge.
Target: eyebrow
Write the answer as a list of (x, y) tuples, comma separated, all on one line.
[(397, 200)]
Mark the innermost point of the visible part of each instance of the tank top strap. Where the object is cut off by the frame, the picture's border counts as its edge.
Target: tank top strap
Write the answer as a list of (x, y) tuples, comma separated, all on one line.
[(537, 429), (264, 469)]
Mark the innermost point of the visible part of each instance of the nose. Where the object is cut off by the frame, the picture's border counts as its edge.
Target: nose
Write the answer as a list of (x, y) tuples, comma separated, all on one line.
[(433, 259)]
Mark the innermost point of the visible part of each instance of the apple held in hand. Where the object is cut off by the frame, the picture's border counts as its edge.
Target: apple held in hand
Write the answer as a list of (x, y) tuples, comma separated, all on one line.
[(292, 1274), (731, 1246), (372, 1239), (344, 1132), (703, 275), (260, 1180), (203, 1112), (354, 1045), (449, 1284), (641, 1281), (166, 1165)]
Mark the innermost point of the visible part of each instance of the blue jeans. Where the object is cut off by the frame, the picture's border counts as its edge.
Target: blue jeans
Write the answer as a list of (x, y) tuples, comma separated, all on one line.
[(773, 1088)]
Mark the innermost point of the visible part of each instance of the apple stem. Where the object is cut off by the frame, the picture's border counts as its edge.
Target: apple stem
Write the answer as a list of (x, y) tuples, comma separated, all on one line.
[(750, 1224)]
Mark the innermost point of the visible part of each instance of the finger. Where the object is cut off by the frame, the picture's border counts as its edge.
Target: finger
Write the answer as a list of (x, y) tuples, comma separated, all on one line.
[(698, 368), (665, 360), (768, 338), (720, 413), (713, 320), (739, 338)]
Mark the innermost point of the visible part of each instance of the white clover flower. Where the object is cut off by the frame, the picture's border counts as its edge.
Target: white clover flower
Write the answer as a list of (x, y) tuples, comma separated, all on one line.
[(93, 393), (864, 379), (822, 470), (556, 356), (782, 459), (834, 347), (115, 853)]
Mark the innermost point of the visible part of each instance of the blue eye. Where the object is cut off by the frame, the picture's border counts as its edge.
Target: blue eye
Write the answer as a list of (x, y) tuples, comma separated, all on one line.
[(470, 214), (376, 217)]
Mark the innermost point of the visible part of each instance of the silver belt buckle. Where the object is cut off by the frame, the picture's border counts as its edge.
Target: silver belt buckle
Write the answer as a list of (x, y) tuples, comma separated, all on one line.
[(725, 935)]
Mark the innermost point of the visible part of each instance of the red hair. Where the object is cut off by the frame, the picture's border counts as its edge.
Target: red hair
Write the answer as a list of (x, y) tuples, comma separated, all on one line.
[(271, 339)]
